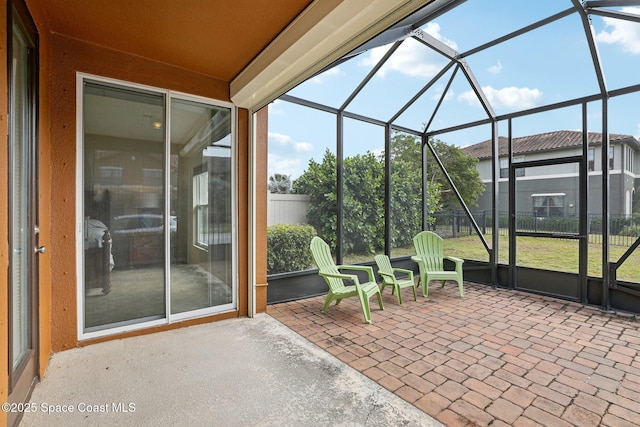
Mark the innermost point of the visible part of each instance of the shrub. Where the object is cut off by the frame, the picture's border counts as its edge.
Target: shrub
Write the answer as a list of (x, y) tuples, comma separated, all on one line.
[(631, 230), (288, 248)]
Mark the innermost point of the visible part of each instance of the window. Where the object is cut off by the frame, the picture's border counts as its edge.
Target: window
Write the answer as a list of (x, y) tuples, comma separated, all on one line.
[(504, 167), (630, 159), (611, 151), (110, 176), (546, 205), (152, 177), (591, 155), (201, 209)]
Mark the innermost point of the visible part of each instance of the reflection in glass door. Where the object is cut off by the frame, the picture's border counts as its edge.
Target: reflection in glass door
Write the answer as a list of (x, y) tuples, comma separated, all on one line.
[(200, 206), (123, 215), (157, 215)]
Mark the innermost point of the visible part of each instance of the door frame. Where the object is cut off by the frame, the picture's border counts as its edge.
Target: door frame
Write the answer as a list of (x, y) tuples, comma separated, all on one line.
[(515, 271), (26, 374), (169, 317)]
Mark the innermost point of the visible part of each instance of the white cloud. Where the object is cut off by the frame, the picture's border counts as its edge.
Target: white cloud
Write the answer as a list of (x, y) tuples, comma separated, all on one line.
[(331, 72), (287, 142), (412, 58), (274, 108), (624, 33), (495, 69), (436, 96), (284, 165), (509, 97)]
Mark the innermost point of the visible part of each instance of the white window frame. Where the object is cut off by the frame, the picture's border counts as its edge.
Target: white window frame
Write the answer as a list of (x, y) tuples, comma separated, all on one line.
[(169, 317), (200, 209)]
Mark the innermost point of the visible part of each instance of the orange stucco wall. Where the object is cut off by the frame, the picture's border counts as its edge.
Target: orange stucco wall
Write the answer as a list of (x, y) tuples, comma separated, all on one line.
[(44, 208), (66, 57), (261, 153)]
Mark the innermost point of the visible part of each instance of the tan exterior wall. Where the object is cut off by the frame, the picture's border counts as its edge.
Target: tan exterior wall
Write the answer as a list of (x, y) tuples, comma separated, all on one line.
[(67, 57), (261, 131), (45, 214)]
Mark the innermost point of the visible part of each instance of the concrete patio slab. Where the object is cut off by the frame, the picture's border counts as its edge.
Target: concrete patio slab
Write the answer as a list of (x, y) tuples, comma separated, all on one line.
[(239, 372)]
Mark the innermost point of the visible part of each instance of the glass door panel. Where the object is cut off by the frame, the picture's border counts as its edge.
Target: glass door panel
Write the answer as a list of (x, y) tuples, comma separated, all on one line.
[(200, 206), (20, 191), (124, 193), (23, 211)]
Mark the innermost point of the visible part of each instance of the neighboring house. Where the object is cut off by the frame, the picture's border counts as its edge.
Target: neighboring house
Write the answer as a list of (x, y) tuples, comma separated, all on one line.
[(546, 191)]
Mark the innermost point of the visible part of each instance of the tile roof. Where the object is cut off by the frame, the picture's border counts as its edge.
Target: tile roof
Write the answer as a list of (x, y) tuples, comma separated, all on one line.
[(544, 142)]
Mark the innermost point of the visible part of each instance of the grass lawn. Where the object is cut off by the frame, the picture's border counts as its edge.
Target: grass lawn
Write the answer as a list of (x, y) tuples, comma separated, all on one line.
[(549, 254)]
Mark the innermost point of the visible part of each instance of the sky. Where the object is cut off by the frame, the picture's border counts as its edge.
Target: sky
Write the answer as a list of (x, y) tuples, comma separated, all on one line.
[(546, 66)]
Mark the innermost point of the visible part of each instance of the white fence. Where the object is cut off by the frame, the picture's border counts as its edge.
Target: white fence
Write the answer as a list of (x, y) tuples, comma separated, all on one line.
[(287, 209)]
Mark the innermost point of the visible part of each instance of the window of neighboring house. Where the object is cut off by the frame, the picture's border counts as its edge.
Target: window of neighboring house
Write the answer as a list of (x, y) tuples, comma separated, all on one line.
[(629, 159), (546, 205), (611, 158), (152, 177), (201, 208), (110, 176), (591, 159), (504, 167)]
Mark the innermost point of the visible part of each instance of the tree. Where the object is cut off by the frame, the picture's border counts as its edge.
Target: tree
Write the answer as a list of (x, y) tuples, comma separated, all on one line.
[(460, 166), (319, 182), (280, 183), (363, 201)]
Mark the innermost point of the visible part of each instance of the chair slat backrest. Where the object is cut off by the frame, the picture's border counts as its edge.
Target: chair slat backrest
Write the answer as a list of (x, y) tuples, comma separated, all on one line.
[(384, 266), (428, 245), (324, 261)]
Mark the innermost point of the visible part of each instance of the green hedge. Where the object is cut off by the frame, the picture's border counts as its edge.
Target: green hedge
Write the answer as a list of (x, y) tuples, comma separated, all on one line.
[(288, 248)]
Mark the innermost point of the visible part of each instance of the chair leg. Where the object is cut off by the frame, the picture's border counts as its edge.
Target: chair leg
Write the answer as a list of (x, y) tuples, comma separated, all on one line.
[(364, 302), (397, 289), (460, 286), (425, 287), (415, 298), (327, 301), (379, 295)]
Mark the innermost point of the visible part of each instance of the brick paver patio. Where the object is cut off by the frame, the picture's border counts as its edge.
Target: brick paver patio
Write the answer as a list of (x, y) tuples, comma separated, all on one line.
[(496, 357)]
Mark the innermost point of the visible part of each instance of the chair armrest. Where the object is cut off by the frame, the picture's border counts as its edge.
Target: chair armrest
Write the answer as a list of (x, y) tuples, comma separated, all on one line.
[(390, 276), (342, 276), (454, 259), (402, 270), (366, 268)]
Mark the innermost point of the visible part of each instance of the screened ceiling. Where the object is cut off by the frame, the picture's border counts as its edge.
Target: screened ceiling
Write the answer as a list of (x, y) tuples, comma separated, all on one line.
[(474, 61)]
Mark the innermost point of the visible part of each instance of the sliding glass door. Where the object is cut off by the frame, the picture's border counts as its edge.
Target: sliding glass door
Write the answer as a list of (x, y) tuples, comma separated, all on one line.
[(201, 208), (22, 171), (157, 212)]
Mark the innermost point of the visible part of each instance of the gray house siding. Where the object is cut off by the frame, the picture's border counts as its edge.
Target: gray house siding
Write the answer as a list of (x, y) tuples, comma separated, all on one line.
[(560, 182), (569, 187)]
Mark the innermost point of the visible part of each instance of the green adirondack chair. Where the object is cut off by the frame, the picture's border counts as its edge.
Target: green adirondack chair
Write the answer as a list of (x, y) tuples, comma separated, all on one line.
[(430, 261), (335, 279), (388, 274)]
